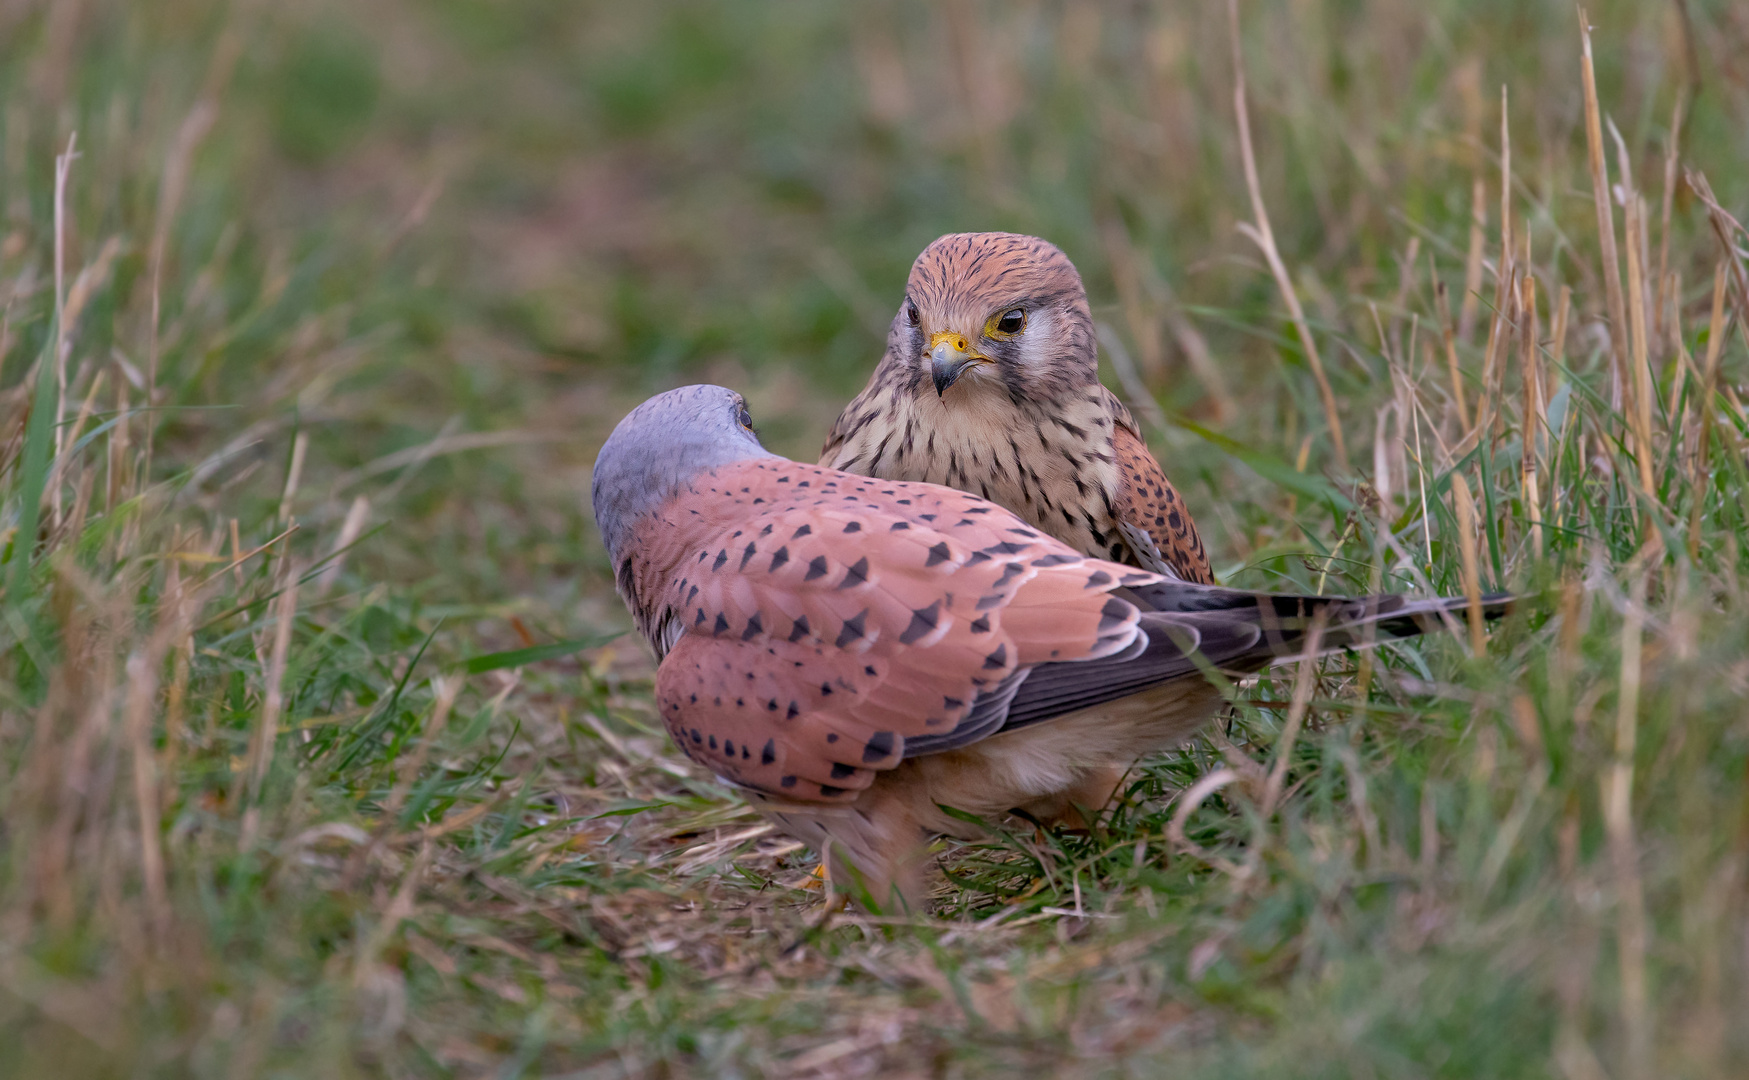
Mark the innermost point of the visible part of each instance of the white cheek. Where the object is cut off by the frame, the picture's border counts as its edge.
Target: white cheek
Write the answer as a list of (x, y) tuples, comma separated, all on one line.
[(1034, 344)]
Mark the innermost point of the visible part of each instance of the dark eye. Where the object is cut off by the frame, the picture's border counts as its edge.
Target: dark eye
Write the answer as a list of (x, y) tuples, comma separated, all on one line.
[(746, 418), (1013, 321), (911, 315)]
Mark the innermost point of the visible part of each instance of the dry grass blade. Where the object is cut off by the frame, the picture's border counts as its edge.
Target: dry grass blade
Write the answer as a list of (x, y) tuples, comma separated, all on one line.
[(1605, 215), (1724, 228), (1192, 798), (350, 529), (1474, 263), (399, 909), (1305, 679), (1506, 248), (144, 667), (415, 456), (63, 169), (1558, 332), (1448, 335), (1671, 146), (1465, 508), (1709, 387), (1535, 411), (1499, 331), (1618, 823), (1640, 403), (1260, 233), (266, 734), (293, 475)]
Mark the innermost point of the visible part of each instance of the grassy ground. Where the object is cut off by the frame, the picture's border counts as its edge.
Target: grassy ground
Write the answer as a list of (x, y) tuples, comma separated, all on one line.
[(314, 759)]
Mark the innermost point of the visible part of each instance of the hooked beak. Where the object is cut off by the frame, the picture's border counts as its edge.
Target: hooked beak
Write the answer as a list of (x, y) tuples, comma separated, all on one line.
[(949, 356)]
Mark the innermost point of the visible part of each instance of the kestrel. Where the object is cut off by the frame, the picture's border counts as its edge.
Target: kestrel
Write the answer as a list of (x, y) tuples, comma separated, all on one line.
[(990, 384), (857, 654)]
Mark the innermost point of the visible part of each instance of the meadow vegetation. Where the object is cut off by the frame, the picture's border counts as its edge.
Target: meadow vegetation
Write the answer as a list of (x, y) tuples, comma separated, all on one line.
[(320, 753)]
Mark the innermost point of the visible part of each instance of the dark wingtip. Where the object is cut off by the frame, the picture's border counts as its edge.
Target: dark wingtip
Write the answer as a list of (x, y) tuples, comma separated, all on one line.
[(1499, 605)]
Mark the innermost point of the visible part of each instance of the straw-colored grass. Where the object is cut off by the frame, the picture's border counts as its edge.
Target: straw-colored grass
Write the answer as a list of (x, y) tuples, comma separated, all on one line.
[(319, 753)]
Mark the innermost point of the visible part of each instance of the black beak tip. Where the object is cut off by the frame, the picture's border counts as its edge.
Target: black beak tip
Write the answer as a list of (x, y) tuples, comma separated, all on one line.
[(943, 380)]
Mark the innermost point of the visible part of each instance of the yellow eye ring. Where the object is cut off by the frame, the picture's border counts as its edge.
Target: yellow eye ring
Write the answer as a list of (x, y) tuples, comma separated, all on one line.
[(1007, 324)]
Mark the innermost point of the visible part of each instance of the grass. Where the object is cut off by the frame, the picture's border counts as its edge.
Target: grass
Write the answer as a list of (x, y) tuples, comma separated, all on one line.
[(318, 755)]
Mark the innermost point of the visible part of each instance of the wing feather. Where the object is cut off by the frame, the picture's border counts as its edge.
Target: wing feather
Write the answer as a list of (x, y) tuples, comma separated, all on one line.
[(836, 625), (1151, 515)]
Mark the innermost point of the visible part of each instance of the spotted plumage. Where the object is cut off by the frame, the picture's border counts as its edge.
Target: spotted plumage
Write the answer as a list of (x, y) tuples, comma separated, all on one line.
[(990, 384), (855, 677)]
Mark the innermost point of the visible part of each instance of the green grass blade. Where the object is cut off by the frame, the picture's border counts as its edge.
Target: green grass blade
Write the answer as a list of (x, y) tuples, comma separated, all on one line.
[(34, 468), (510, 658)]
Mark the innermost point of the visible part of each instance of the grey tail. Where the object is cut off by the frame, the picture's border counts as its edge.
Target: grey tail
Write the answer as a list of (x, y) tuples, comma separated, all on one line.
[(1282, 620), (1189, 626)]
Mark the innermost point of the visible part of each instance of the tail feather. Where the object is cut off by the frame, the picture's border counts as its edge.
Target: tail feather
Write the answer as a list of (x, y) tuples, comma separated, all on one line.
[(1188, 626), (1285, 618), (1356, 622)]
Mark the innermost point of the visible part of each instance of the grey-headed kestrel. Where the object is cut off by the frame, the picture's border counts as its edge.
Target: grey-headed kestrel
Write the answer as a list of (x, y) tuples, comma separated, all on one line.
[(856, 653), (990, 384)]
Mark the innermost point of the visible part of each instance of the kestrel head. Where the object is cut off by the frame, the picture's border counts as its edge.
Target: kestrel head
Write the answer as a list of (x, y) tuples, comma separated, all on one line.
[(660, 446), (996, 313)]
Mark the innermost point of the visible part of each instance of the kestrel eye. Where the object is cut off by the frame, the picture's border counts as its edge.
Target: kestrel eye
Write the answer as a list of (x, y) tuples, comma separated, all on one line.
[(746, 418), (911, 315), (1013, 321)]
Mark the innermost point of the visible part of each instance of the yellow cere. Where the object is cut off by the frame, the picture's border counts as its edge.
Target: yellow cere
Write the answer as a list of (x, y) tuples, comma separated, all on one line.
[(956, 342)]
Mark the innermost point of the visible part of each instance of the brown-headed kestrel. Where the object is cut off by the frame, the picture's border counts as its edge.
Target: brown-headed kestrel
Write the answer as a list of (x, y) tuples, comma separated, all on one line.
[(990, 384), (857, 654)]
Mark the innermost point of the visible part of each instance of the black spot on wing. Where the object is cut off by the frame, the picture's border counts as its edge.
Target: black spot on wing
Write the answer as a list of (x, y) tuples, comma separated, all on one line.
[(879, 746), (853, 629), (816, 568), (923, 620), (856, 575)]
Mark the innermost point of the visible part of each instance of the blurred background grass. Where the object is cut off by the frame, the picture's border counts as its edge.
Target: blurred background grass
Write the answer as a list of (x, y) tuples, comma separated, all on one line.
[(388, 273)]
